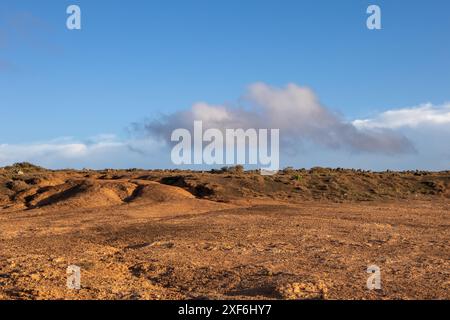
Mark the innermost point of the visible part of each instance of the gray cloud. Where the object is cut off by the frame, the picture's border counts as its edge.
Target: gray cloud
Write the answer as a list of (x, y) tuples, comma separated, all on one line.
[(25, 28), (22, 31), (295, 110)]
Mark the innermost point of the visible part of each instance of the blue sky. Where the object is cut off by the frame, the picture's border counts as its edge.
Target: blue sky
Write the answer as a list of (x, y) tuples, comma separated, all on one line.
[(134, 60)]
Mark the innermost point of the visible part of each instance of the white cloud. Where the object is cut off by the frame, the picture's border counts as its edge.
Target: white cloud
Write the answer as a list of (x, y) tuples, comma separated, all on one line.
[(70, 150), (97, 152), (423, 115), (210, 113), (295, 110), (305, 124)]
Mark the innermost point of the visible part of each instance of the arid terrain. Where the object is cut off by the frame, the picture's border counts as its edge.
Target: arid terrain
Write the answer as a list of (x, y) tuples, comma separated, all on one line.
[(225, 234)]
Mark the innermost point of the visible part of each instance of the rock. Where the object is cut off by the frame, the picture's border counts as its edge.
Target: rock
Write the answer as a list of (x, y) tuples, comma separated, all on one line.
[(303, 291), (35, 277)]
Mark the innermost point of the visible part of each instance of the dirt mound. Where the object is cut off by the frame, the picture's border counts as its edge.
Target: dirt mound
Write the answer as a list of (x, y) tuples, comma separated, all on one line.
[(193, 185), (82, 194), (23, 167), (155, 192), (88, 193), (38, 187)]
